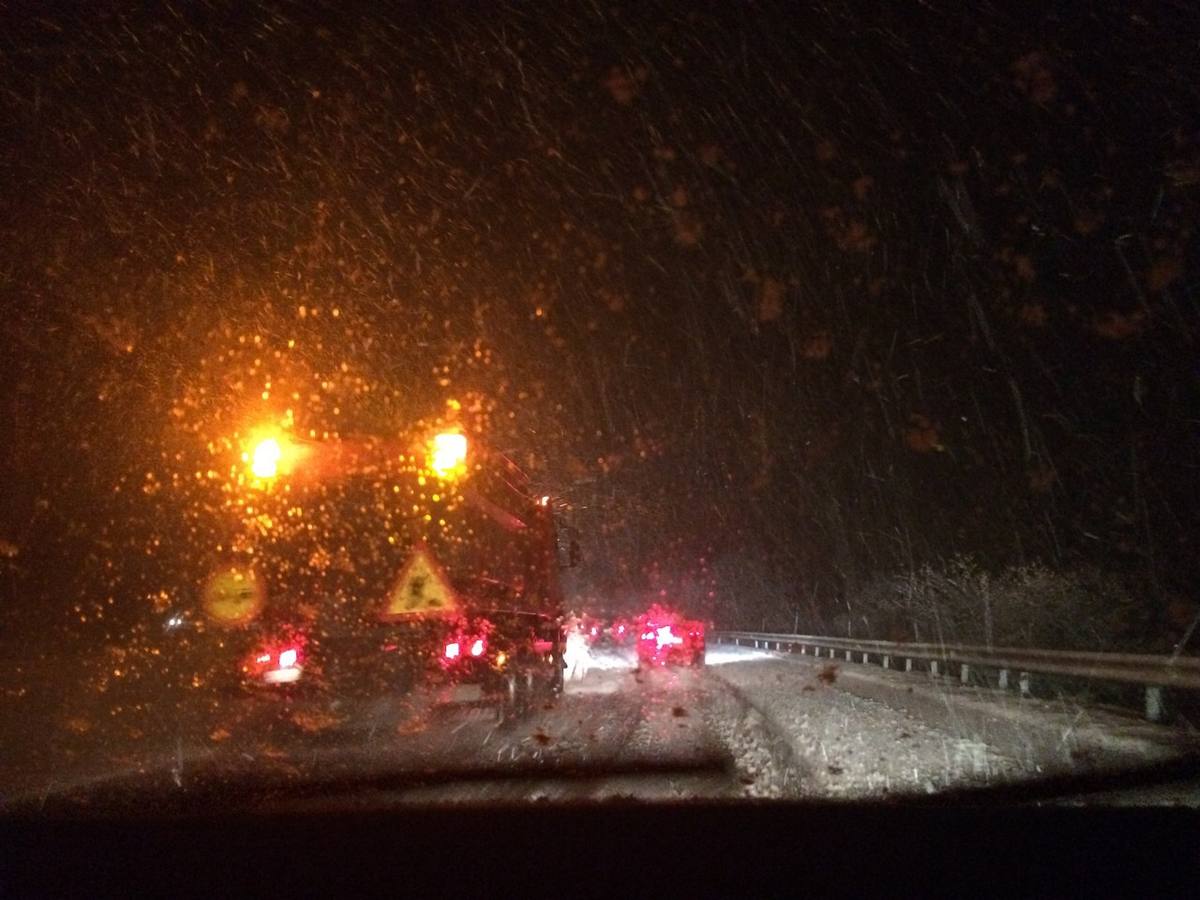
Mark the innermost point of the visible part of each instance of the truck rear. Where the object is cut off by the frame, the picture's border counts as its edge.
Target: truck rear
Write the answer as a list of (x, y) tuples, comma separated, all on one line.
[(454, 596)]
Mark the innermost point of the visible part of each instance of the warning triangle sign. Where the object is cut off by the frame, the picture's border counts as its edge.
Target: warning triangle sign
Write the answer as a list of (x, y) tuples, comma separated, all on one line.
[(421, 588)]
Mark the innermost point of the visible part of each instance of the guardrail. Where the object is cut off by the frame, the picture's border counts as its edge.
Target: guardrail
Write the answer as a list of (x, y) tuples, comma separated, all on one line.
[(1154, 673)]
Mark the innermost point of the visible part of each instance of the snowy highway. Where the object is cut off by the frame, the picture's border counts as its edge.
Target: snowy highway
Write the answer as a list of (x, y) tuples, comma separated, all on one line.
[(750, 724)]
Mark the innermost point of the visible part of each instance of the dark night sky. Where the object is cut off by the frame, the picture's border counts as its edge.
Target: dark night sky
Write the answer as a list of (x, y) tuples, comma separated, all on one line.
[(828, 291)]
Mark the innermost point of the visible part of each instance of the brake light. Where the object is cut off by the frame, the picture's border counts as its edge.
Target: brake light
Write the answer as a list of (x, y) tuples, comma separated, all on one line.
[(288, 658), (478, 647), (666, 636), (453, 650)]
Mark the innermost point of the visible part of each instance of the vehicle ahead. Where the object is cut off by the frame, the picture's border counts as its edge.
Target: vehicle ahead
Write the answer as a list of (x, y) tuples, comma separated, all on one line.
[(464, 604), (622, 631), (666, 638), (592, 628)]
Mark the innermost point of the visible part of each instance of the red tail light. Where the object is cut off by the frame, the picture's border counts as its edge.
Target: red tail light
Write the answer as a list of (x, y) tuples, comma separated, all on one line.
[(453, 650), (281, 663), (478, 647)]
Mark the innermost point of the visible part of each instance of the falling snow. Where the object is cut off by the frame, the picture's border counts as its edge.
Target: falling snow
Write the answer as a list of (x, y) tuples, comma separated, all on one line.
[(855, 321)]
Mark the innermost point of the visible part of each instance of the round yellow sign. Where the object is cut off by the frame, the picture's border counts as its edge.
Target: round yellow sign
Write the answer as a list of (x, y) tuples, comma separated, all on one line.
[(233, 596)]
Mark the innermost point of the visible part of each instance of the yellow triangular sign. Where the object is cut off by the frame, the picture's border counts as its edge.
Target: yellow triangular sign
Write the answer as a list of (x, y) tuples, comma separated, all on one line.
[(421, 588)]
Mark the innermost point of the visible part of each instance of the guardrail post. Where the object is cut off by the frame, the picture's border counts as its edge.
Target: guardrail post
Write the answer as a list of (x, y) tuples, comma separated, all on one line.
[(848, 656), (933, 667), (964, 673), (1003, 682), (887, 662), (908, 665), (1154, 703), (1024, 683), (864, 659)]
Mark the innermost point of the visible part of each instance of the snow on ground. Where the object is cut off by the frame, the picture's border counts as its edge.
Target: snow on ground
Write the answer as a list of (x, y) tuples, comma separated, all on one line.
[(684, 712), (605, 666), (722, 655), (848, 746), (750, 724), (764, 762)]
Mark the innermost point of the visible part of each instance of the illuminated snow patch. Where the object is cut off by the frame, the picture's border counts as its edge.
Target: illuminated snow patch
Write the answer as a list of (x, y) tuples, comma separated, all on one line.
[(594, 683), (609, 660), (720, 655), (607, 670)]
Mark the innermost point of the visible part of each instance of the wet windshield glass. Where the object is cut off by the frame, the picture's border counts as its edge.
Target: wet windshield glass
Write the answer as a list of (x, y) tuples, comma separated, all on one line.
[(735, 400)]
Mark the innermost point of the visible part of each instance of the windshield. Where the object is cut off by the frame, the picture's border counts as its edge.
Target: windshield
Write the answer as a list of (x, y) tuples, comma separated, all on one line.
[(578, 401)]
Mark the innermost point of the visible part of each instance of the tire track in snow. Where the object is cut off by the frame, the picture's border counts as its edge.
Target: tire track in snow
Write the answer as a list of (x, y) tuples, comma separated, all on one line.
[(762, 752)]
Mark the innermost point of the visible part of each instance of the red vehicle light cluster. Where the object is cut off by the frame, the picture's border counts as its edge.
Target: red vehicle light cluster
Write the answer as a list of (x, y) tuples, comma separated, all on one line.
[(666, 637), (453, 650), (277, 662), (466, 641)]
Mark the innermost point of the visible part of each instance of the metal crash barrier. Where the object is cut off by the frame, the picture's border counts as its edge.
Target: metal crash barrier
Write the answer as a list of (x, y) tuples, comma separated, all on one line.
[(1154, 673)]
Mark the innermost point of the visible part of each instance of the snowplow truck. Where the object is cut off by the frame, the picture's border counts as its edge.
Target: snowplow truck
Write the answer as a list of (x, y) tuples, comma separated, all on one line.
[(362, 568)]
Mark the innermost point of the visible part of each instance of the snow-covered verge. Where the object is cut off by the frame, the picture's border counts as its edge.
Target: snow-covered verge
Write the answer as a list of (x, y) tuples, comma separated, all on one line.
[(851, 747), (765, 763)]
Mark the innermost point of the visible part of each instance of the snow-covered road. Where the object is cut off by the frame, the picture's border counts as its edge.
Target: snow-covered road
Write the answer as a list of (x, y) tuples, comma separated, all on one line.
[(848, 746), (750, 724)]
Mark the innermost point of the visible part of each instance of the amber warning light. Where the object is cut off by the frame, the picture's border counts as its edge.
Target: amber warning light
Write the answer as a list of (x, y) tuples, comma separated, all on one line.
[(265, 462), (448, 454)]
